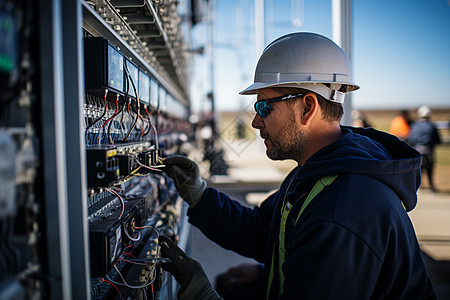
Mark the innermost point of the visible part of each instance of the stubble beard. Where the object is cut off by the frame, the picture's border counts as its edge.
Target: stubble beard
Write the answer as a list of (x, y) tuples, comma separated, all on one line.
[(289, 142)]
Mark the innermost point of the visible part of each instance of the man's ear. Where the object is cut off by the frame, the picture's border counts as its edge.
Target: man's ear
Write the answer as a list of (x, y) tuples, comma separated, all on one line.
[(310, 107)]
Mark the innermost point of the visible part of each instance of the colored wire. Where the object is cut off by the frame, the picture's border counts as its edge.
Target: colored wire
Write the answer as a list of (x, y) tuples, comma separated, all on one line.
[(149, 282), (122, 204), (144, 263), (158, 166), (138, 103), (152, 228), (135, 119), (129, 254), (140, 260), (106, 122), (143, 125), (111, 140), (133, 239), (122, 124), (99, 118), (144, 166), (135, 170), (156, 135), (120, 111), (149, 122), (145, 292), (98, 131), (117, 289)]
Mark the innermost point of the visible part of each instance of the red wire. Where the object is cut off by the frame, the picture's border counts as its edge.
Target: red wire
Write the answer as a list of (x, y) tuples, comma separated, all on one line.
[(142, 128), (149, 120), (135, 120), (128, 261), (129, 254), (142, 227), (117, 289), (117, 109)]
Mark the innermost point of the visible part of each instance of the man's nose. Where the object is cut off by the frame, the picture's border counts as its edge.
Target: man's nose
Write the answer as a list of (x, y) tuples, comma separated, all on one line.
[(257, 122)]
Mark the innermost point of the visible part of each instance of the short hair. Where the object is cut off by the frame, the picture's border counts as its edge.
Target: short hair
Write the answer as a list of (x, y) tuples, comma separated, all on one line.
[(331, 111)]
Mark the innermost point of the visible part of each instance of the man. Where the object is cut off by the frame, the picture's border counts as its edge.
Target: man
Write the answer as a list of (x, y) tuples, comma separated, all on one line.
[(337, 228), (424, 137)]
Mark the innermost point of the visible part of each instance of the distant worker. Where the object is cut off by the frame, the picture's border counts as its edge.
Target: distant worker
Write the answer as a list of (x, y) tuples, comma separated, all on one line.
[(359, 119), (401, 125), (338, 227), (424, 137)]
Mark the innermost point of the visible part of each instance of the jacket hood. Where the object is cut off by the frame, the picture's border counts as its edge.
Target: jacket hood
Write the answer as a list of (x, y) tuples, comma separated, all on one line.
[(370, 152)]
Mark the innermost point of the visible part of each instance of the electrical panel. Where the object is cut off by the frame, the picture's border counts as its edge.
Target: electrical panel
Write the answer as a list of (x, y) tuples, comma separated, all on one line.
[(7, 175), (103, 167), (104, 66), (21, 226), (144, 87), (132, 85), (83, 194), (9, 47), (128, 128)]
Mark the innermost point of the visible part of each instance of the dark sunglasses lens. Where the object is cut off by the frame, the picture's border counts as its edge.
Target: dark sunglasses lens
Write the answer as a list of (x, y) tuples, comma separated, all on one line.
[(262, 108)]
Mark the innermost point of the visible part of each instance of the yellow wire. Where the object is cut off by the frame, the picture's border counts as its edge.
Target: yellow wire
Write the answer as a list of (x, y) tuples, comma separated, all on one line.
[(135, 170)]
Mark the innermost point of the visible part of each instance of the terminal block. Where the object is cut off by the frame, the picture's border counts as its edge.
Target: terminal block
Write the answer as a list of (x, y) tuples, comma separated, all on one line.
[(102, 165)]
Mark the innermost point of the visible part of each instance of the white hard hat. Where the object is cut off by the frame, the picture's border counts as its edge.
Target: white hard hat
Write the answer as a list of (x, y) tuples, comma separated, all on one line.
[(424, 111), (304, 60)]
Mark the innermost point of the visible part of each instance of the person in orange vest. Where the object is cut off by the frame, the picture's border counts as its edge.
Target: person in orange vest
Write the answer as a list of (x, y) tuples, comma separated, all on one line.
[(401, 125)]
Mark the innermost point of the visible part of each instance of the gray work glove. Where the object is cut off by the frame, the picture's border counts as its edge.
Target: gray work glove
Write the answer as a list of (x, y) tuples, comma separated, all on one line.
[(186, 176), (188, 272)]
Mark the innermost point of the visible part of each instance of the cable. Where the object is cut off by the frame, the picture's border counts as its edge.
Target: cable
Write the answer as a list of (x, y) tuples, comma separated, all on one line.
[(135, 170), (149, 122), (135, 120), (120, 111), (126, 253), (145, 292), (117, 289), (154, 168), (133, 239), (122, 204), (106, 122), (99, 118), (142, 127), (138, 104), (156, 135), (98, 130), (151, 227), (149, 282), (144, 263), (122, 124)]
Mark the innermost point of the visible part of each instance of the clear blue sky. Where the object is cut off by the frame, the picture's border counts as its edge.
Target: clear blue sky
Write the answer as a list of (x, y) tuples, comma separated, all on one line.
[(401, 49)]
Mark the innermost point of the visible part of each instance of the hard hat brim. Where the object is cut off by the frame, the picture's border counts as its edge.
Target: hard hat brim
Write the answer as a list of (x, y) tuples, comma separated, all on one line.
[(253, 89)]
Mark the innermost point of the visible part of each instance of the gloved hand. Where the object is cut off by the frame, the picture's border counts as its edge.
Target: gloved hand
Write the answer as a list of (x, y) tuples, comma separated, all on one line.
[(238, 275), (186, 176), (188, 272)]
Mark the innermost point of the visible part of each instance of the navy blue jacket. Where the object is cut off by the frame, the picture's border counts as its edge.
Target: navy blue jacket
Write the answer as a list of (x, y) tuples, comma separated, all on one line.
[(353, 241), (424, 134)]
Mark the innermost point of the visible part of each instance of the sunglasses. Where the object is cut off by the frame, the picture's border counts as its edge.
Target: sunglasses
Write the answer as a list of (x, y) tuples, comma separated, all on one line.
[(263, 107)]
